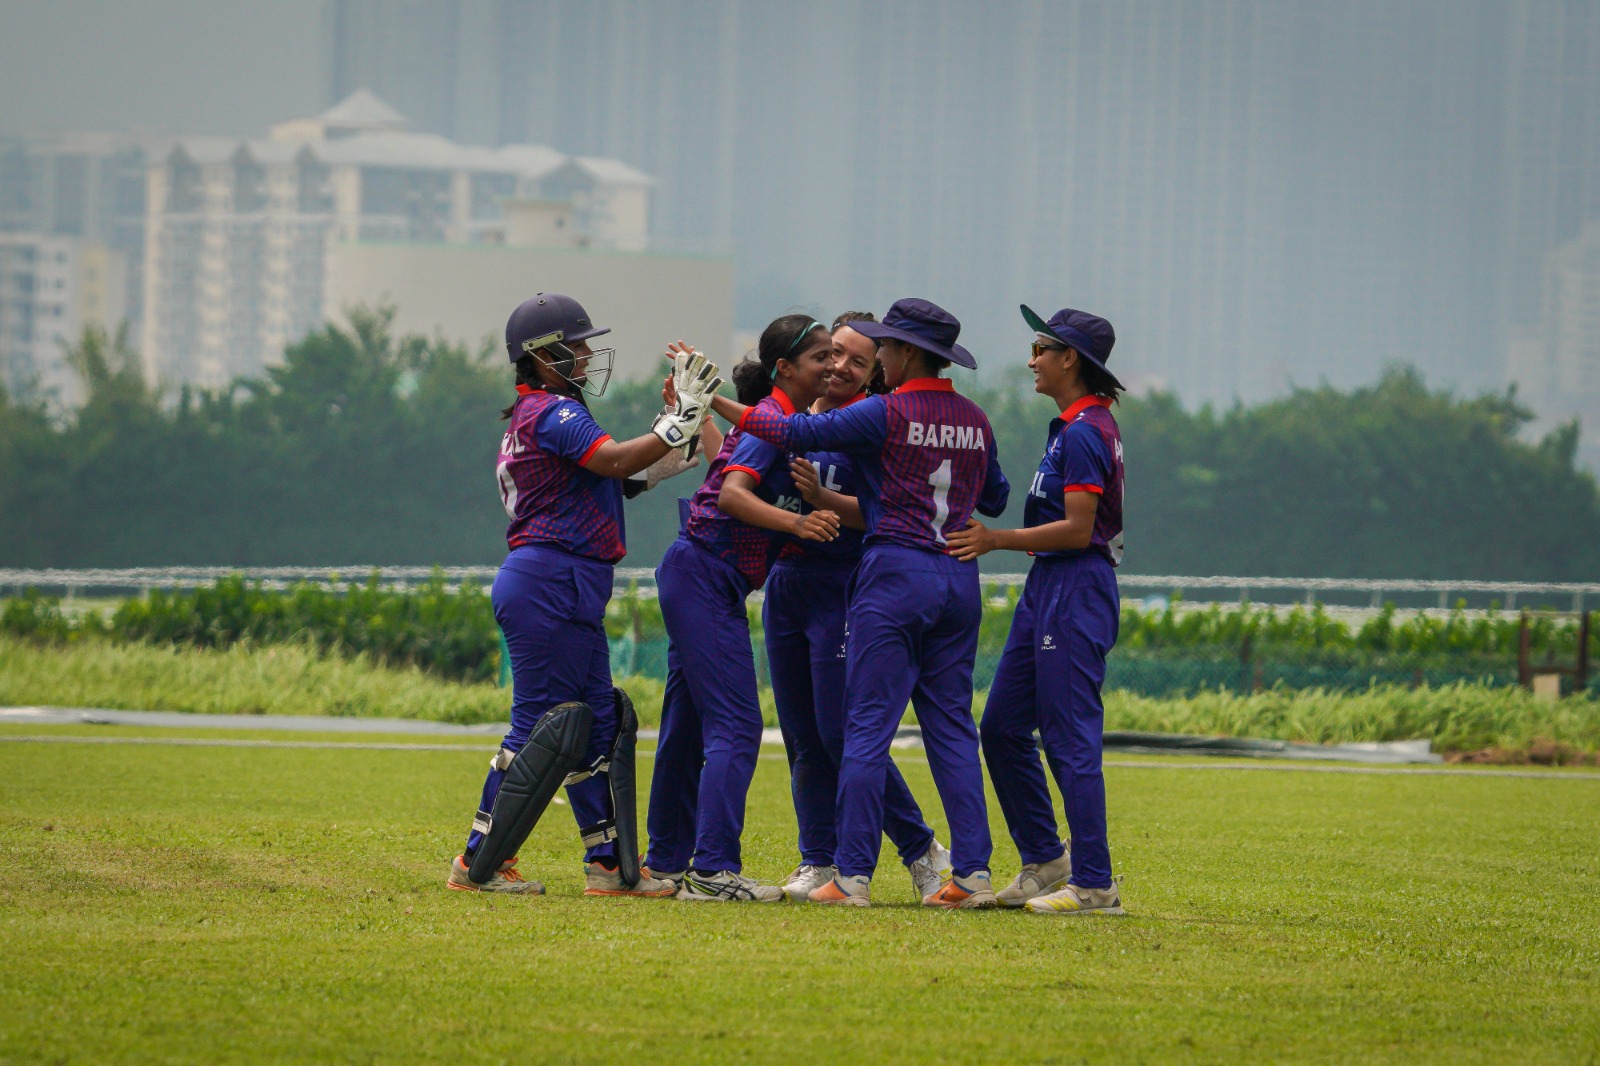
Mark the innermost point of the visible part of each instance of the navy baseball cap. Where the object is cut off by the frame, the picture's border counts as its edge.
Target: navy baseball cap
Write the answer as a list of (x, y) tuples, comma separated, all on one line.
[(1091, 335), (921, 324)]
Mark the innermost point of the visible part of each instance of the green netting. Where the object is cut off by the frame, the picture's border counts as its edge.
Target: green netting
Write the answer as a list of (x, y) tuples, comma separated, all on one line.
[(1180, 673)]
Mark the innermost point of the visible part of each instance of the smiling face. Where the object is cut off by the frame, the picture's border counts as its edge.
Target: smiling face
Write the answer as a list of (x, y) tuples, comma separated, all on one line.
[(1054, 366), (804, 377), (853, 358)]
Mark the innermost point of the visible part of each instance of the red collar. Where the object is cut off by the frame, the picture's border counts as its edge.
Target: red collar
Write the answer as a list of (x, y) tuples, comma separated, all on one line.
[(1080, 406), (847, 403), (927, 385), (526, 390), (784, 403)]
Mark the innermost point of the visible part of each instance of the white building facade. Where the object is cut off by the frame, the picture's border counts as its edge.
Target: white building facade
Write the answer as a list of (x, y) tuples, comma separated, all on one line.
[(1556, 364), (238, 232), (51, 287)]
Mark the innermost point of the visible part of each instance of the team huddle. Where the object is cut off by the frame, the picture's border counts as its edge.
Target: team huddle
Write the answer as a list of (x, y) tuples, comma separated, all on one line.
[(847, 488)]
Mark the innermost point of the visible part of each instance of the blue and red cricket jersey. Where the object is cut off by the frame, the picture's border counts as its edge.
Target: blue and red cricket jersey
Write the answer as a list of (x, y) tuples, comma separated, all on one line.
[(1083, 453), (836, 471), (748, 549), (926, 458), (551, 499)]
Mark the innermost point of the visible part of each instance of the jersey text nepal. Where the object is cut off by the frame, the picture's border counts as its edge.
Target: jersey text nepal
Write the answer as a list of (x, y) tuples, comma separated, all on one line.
[(936, 436)]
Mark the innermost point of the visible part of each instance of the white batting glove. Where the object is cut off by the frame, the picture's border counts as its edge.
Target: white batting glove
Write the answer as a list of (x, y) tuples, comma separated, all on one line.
[(694, 381)]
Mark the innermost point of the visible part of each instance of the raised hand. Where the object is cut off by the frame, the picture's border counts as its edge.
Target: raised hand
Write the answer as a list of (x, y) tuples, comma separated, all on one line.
[(687, 395), (805, 480)]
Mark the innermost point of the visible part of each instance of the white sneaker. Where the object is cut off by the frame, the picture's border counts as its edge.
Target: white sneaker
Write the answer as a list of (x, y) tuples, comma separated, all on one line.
[(725, 886), (675, 876), (963, 893), (1075, 900), (805, 878), (1036, 879), (506, 879), (850, 891), (929, 871), (599, 881)]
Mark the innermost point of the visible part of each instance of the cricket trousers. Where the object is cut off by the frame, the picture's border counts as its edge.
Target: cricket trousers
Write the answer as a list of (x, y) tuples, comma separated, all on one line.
[(803, 616), (913, 635), (551, 606), (1049, 681), (710, 715)]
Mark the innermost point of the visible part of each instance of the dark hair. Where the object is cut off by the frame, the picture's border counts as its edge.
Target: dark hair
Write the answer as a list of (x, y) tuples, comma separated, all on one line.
[(527, 374), (752, 378), (936, 363), (874, 385), (847, 317), (1097, 381)]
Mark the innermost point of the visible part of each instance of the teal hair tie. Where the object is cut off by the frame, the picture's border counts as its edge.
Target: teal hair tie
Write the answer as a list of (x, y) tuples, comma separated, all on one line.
[(772, 375), (802, 335)]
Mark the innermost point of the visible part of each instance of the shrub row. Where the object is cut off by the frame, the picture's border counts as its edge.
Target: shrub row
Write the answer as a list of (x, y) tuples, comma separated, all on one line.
[(450, 631)]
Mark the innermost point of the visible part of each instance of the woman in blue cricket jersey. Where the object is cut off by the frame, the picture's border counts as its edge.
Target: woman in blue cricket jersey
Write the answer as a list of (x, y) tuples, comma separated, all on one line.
[(803, 616), (561, 483), (1054, 661), (926, 460), (746, 511)]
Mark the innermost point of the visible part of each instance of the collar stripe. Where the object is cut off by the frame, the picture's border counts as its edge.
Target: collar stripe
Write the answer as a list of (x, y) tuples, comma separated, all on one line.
[(927, 385), (1080, 406)]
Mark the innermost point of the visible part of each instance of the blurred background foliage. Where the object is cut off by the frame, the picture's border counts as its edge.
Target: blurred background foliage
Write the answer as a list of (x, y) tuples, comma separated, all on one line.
[(364, 447)]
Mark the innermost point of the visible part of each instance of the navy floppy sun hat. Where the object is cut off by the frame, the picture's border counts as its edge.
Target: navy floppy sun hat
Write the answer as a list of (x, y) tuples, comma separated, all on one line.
[(1091, 335), (921, 324)]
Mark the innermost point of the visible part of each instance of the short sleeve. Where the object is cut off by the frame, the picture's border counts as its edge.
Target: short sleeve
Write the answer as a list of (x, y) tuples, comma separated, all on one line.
[(1085, 459), (568, 429), (996, 489), (754, 456)]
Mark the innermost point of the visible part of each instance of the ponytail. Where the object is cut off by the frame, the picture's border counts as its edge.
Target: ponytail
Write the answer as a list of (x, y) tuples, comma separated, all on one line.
[(751, 382), (753, 378), (527, 374)]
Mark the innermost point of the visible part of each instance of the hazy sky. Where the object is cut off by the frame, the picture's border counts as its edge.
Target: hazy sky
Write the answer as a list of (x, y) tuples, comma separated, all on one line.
[(1258, 192), (198, 66)]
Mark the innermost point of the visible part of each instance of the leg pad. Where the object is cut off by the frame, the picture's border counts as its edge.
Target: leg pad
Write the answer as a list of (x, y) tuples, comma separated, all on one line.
[(532, 777)]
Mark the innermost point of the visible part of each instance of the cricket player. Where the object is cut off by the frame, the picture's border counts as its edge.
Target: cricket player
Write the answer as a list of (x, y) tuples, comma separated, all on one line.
[(1054, 661), (746, 511), (561, 478), (927, 460), (803, 617)]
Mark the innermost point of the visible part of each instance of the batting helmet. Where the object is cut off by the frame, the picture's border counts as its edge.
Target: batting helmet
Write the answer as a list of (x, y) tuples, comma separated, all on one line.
[(551, 322)]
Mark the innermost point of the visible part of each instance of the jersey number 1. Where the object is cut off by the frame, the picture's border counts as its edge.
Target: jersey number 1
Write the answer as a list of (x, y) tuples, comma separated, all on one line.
[(940, 480), (508, 489)]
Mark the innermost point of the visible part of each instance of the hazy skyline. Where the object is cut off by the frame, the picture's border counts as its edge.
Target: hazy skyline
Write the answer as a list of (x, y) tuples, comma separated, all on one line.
[(1259, 194), (167, 66)]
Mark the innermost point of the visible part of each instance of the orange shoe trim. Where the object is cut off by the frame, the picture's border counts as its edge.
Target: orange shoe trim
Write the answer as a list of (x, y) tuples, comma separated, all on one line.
[(950, 895), (828, 893)]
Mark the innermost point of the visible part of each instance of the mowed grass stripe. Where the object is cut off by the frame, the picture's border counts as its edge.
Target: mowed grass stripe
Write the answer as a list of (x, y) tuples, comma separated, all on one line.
[(205, 903), (648, 753)]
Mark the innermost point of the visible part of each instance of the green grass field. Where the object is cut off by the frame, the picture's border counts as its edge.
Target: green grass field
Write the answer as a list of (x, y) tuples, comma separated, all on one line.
[(188, 903)]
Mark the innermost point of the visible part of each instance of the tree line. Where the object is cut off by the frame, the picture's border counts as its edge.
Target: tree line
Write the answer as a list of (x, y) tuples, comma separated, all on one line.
[(364, 447)]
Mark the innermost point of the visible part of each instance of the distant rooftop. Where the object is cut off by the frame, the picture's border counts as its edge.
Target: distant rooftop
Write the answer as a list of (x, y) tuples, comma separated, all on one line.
[(363, 130), (364, 109)]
